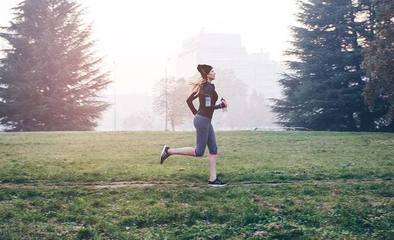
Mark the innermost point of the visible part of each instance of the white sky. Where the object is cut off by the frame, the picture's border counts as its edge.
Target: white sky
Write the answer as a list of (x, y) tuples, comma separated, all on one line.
[(138, 36)]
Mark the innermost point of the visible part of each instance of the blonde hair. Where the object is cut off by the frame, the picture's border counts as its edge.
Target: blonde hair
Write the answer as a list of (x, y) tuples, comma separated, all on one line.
[(197, 84)]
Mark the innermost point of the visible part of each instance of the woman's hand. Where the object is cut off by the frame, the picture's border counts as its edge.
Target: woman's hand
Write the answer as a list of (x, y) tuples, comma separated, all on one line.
[(225, 103)]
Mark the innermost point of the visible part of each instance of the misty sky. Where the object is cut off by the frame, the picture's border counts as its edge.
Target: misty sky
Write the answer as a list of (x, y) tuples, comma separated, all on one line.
[(137, 37)]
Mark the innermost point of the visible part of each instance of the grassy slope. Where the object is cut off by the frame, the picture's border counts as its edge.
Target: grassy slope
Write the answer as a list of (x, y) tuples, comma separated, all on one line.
[(292, 209), (244, 156)]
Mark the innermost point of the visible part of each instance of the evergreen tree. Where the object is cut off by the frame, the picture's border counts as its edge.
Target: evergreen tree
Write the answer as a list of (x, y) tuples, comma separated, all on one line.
[(323, 88), (379, 59), (50, 77)]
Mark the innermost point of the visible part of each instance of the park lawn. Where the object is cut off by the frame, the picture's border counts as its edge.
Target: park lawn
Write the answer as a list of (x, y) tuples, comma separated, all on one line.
[(282, 185), (243, 156), (284, 211)]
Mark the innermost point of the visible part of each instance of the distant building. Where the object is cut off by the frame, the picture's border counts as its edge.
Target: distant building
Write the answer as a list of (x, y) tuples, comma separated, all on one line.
[(225, 51)]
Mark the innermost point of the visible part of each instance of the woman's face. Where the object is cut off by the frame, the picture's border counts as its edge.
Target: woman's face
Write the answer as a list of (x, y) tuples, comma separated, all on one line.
[(211, 75)]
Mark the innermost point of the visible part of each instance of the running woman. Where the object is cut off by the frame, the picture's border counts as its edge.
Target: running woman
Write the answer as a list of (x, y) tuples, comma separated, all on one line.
[(204, 90)]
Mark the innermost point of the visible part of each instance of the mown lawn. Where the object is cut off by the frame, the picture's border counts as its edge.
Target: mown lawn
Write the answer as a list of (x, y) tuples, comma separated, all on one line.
[(282, 185)]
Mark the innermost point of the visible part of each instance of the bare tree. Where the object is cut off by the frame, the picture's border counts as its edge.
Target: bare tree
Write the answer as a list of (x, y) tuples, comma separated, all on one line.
[(169, 101)]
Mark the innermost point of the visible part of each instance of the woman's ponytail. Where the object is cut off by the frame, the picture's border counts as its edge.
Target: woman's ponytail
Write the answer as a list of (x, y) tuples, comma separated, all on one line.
[(197, 84)]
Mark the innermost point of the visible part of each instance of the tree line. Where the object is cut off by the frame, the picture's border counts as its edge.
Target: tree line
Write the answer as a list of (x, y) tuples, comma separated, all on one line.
[(340, 74)]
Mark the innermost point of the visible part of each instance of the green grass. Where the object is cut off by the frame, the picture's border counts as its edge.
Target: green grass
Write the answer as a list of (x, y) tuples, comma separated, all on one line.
[(307, 185)]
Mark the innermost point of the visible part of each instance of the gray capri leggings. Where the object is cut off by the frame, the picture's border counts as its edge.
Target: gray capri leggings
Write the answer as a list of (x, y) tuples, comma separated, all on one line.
[(205, 135)]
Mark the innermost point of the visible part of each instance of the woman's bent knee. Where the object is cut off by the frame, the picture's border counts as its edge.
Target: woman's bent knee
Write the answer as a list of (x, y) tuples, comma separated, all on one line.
[(213, 150), (199, 152)]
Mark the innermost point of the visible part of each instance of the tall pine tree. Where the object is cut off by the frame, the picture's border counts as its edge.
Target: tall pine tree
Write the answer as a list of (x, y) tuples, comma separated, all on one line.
[(50, 77), (379, 59), (324, 84)]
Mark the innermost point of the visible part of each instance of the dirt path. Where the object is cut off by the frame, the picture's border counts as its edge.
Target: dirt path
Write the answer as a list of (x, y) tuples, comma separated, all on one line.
[(141, 184)]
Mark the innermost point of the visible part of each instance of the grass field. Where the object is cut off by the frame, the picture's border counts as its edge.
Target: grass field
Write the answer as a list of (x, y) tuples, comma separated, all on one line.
[(282, 185)]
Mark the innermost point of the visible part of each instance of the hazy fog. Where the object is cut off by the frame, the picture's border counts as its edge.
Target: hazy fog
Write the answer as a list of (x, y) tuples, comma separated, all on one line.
[(142, 39)]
